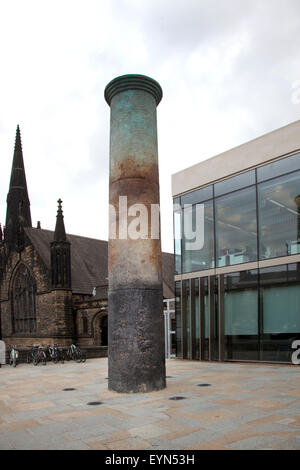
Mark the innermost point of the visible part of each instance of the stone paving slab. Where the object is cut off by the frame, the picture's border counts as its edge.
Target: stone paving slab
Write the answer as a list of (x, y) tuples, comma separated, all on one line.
[(246, 406)]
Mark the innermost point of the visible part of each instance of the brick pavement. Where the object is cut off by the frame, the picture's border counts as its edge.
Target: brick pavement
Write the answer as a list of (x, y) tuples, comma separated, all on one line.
[(246, 406)]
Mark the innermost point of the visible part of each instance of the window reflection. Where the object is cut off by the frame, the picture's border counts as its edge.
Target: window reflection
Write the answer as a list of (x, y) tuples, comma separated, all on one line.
[(279, 216), (260, 309), (177, 238), (178, 318), (241, 315), (196, 322), (280, 304), (235, 182), (199, 259), (236, 229), (199, 195), (278, 168)]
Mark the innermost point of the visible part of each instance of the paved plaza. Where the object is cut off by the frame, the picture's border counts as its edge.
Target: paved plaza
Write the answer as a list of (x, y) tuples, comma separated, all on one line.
[(237, 406)]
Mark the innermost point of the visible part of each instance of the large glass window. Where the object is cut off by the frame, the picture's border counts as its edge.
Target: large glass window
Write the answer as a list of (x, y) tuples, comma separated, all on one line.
[(205, 320), (279, 216), (199, 195), (278, 168), (241, 320), (234, 219), (177, 237), (236, 228), (235, 182), (186, 306), (198, 252), (178, 318), (280, 303), (195, 304), (213, 318)]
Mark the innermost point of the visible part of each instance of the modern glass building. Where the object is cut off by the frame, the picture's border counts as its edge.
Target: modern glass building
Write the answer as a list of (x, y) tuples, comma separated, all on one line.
[(237, 252)]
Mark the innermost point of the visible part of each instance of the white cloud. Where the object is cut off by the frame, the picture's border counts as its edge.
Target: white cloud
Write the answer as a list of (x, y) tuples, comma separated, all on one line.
[(226, 67)]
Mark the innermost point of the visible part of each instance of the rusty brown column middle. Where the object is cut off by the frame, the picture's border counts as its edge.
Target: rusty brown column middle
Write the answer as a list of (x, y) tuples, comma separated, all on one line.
[(136, 352)]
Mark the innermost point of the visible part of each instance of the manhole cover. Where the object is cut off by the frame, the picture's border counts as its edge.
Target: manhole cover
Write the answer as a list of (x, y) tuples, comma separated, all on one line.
[(203, 385), (95, 403), (177, 398), (68, 389)]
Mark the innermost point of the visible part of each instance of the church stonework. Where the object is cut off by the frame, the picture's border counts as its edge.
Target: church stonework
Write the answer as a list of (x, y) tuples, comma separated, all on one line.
[(53, 286)]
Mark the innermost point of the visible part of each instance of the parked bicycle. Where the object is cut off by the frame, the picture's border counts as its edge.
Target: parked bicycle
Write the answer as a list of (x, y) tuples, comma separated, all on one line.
[(37, 354), (14, 356), (56, 354), (74, 352), (31, 353)]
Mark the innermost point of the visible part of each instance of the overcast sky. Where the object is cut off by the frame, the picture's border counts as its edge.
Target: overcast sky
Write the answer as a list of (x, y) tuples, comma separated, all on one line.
[(227, 69)]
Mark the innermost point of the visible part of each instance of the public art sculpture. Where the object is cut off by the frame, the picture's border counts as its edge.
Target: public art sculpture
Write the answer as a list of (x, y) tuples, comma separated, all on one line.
[(136, 357)]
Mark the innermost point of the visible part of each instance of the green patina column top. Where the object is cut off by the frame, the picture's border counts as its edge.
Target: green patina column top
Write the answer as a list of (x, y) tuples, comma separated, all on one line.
[(133, 82)]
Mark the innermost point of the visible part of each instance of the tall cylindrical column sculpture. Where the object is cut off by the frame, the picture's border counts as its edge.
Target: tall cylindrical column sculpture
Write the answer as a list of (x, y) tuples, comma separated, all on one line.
[(136, 354)]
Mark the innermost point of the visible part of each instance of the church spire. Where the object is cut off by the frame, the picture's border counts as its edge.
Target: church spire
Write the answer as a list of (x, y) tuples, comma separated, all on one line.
[(60, 232), (18, 205), (60, 254)]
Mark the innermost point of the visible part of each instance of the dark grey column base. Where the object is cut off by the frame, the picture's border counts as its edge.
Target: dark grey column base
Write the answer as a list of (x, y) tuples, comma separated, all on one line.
[(136, 351)]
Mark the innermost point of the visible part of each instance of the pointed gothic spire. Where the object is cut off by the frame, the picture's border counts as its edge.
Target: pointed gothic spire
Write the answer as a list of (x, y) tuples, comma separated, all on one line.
[(18, 205), (60, 232), (60, 254), (18, 177)]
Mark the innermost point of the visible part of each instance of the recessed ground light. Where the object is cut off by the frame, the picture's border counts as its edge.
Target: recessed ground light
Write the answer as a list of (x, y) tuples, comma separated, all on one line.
[(203, 385), (68, 389), (95, 403), (177, 398)]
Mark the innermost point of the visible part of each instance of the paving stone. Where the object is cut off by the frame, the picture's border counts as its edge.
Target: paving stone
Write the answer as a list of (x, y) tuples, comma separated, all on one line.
[(204, 435), (259, 442), (248, 406), (90, 431)]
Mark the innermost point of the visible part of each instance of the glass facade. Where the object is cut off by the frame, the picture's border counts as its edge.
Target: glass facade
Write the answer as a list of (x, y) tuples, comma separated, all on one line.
[(243, 314), (236, 228), (280, 311), (195, 258), (177, 238), (178, 318), (248, 217), (279, 221)]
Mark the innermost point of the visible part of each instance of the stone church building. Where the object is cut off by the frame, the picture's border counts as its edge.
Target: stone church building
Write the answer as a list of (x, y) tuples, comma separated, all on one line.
[(53, 286)]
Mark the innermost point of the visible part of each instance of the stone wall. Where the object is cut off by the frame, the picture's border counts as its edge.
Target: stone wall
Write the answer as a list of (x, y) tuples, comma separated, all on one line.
[(54, 315), (88, 317)]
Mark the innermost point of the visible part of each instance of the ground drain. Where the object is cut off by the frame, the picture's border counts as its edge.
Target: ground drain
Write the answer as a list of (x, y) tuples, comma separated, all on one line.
[(203, 385), (68, 389), (95, 403), (177, 398), (169, 377)]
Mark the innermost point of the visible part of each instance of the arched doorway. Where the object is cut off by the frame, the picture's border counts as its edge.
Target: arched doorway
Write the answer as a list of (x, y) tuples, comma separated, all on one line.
[(104, 331), (100, 330)]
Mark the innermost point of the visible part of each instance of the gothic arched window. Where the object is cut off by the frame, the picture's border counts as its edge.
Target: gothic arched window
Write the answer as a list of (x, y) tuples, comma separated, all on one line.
[(23, 301)]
